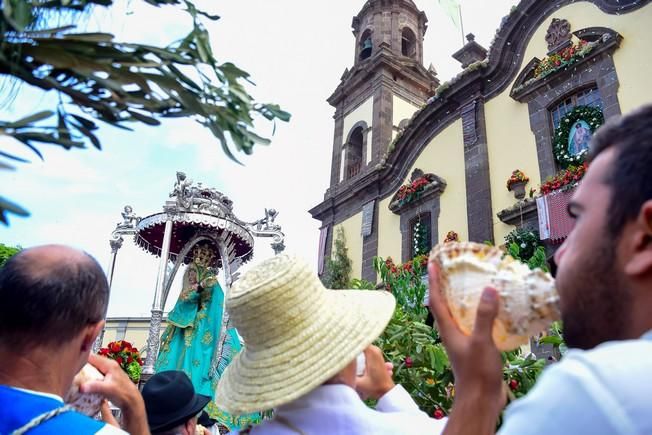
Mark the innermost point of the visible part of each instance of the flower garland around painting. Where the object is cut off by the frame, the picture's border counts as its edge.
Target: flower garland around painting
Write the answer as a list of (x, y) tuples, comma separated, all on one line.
[(572, 150)]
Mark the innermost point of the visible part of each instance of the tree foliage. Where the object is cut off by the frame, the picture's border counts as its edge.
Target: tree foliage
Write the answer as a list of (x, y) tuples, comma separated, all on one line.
[(338, 267), (118, 83), (6, 252), (420, 360)]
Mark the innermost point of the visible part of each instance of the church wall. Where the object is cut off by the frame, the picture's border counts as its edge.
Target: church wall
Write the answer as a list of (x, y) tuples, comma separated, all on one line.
[(511, 146), (444, 156), (401, 110), (634, 58), (511, 142), (389, 232), (353, 234), (133, 329)]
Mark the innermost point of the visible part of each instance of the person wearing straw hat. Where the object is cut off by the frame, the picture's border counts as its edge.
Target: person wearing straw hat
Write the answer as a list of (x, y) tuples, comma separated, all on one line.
[(302, 343)]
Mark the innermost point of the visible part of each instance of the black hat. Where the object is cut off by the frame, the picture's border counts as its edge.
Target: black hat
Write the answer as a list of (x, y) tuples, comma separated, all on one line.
[(170, 400), (205, 420)]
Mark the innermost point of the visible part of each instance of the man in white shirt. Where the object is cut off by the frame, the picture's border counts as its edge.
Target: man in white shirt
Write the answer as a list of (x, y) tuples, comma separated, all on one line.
[(603, 385), (302, 345), (53, 303)]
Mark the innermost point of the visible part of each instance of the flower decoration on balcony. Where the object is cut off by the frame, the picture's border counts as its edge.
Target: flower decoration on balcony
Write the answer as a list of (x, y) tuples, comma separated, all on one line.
[(409, 192), (564, 179), (517, 177), (126, 355), (451, 236), (571, 138), (564, 57)]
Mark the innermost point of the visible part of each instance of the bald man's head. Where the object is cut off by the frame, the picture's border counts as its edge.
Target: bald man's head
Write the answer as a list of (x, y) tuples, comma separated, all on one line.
[(49, 294)]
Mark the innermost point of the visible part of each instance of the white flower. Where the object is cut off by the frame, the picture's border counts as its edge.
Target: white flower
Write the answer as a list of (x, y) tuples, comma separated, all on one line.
[(523, 245)]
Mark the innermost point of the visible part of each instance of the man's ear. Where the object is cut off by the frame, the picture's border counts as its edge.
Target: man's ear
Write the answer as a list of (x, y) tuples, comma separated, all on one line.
[(640, 262), (191, 426), (90, 334)]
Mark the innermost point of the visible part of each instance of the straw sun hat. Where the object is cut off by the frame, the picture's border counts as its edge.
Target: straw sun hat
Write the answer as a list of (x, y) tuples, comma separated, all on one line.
[(297, 333)]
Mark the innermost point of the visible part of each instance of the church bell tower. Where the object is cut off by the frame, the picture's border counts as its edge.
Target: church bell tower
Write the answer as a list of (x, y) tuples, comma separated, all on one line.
[(386, 84)]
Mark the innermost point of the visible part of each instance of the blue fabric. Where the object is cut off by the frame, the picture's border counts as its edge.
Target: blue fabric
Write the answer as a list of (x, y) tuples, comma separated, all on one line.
[(602, 391), (18, 407), (190, 340)]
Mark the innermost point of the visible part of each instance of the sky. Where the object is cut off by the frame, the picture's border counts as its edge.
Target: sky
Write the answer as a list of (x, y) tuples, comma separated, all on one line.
[(295, 51)]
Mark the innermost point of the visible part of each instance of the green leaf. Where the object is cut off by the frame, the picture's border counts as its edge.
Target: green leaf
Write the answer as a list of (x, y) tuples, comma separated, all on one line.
[(10, 207), (86, 132), (551, 339), (94, 37), (36, 117), (144, 118)]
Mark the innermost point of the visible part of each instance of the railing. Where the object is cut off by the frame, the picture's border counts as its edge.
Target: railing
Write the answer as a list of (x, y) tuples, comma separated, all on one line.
[(353, 169)]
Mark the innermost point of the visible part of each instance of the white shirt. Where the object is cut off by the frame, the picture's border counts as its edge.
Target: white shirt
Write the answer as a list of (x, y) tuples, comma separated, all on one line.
[(337, 409), (605, 390)]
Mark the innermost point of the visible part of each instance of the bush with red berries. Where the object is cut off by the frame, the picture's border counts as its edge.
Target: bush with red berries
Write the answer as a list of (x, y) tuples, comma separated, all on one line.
[(420, 361)]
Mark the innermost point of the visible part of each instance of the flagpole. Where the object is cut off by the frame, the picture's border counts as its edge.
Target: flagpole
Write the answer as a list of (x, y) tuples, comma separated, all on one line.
[(459, 10)]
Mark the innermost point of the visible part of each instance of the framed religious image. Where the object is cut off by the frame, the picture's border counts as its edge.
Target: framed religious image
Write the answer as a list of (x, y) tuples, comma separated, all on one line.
[(578, 139), (572, 136)]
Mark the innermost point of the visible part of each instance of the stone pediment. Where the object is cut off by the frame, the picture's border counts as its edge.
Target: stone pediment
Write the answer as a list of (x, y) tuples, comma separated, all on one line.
[(570, 53)]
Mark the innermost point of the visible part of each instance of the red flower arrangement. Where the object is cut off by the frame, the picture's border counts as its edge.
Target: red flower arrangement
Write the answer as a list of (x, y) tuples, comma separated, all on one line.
[(563, 57), (125, 354), (565, 177), (420, 261), (409, 192), (517, 177), (452, 236)]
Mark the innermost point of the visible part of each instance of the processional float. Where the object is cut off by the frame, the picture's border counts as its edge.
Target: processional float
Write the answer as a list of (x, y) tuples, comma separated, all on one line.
[(193, 214)]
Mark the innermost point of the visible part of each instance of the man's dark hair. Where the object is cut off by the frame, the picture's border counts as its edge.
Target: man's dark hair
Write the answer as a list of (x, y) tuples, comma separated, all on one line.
[(51, 303), (630, 177)]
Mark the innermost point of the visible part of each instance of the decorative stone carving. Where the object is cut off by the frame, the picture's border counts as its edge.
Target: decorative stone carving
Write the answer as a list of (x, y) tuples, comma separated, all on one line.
[(417, 173), (558, 35)]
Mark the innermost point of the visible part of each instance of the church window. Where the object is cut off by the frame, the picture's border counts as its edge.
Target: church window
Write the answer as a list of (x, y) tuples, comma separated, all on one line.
[(420, 234), (586, 97), (408, 43)]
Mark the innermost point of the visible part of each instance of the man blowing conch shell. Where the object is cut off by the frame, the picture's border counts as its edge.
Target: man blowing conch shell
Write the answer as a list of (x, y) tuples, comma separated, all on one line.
[(603, 385)]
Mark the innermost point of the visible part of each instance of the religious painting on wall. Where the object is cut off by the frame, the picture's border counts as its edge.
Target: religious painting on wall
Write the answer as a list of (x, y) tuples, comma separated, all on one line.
[(578, 139), (572, 136)]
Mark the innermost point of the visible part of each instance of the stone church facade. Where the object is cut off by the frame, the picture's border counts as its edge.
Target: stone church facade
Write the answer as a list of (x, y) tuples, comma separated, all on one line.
[(397, 126)]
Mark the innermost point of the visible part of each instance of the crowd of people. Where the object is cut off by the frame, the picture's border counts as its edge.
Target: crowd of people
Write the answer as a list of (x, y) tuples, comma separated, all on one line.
[(308, 350)]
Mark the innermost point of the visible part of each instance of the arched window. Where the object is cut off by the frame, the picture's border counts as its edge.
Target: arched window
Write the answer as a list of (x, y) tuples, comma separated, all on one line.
[(585, 97), (366, 46), (354, 152), (408, 43), (420, 235)]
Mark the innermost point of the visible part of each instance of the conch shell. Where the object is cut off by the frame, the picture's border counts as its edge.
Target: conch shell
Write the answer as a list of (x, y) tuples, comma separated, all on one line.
[(88, 404), (528, 299)]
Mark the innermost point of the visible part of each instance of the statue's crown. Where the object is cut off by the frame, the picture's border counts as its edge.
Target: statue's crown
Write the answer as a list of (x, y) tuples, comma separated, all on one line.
[(203, 255)]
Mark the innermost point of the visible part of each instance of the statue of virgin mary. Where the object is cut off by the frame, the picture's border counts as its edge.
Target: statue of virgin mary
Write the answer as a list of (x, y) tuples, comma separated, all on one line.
[(190, 340)]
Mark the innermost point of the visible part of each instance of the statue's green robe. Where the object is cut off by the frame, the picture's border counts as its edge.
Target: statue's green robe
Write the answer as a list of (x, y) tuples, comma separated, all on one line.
[(190, 341)]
